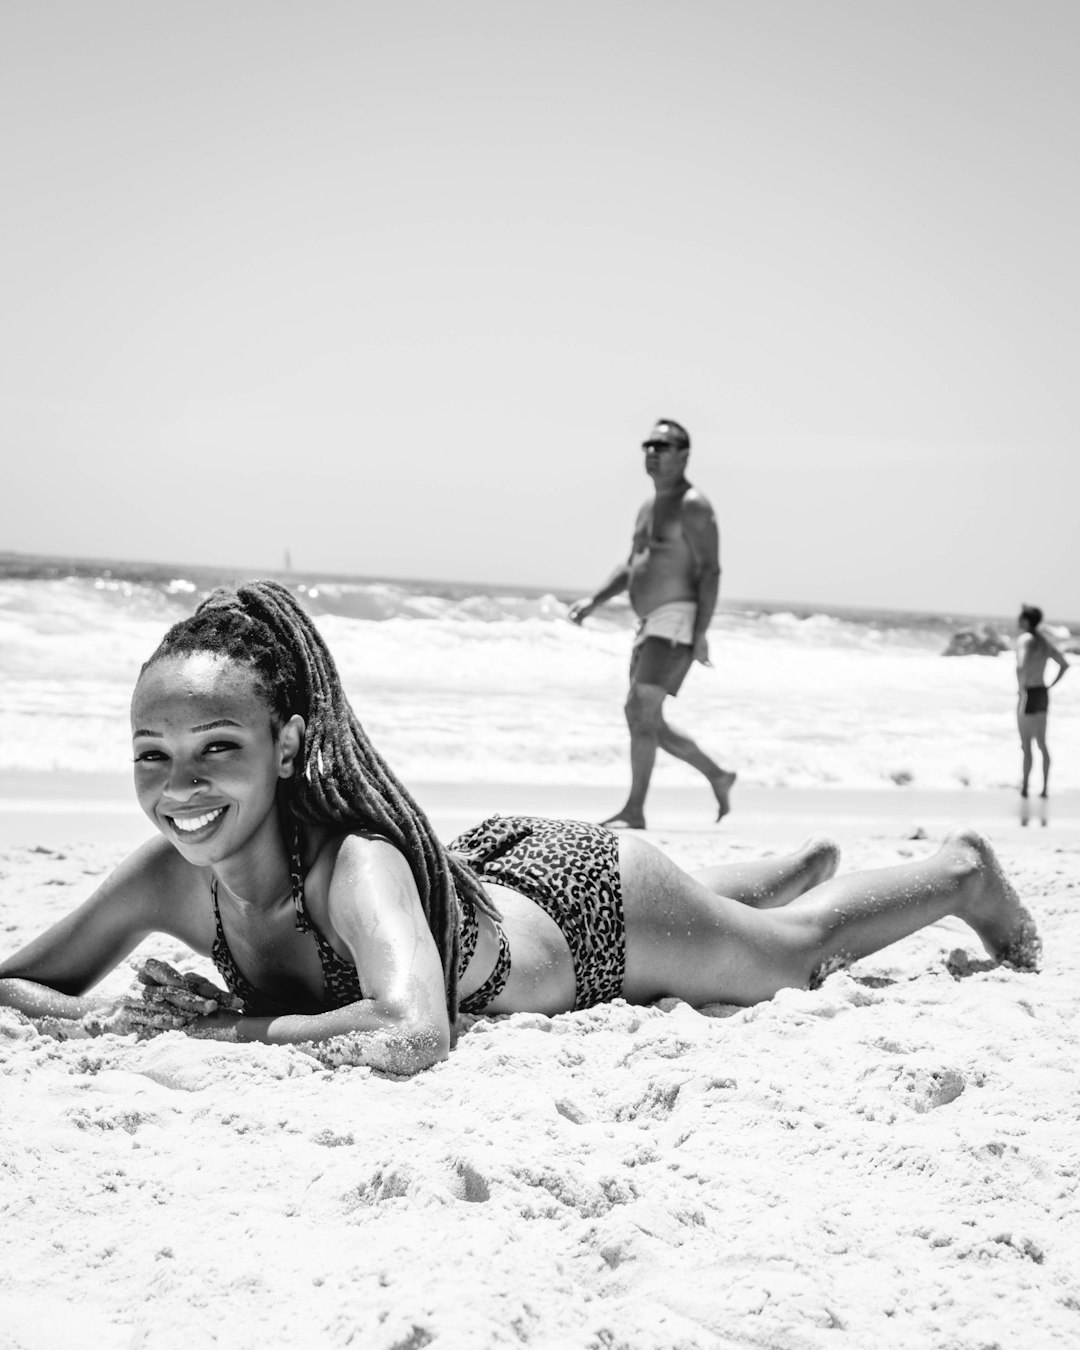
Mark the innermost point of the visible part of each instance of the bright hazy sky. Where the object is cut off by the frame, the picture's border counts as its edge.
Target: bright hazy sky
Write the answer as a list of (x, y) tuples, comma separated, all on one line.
[(401, 286)]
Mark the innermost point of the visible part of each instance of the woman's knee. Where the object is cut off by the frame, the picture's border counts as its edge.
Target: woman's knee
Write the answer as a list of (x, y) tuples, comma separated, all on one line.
[(804, 942), (682, 940)]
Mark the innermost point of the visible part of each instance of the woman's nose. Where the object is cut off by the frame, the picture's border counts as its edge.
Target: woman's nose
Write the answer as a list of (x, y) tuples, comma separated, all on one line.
[(183, 782)]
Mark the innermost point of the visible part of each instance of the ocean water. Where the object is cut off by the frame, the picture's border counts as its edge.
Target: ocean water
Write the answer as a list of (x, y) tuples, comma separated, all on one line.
[(471, 684)]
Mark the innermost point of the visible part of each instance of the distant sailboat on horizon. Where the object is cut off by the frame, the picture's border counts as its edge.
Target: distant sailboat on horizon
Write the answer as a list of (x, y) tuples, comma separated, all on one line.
[(288, 561)]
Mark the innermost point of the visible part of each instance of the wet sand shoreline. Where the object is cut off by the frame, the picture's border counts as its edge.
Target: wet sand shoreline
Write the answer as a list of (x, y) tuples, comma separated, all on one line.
[(60, 806)]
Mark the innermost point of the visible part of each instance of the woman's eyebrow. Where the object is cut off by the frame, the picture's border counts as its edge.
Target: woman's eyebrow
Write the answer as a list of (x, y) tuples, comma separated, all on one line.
[(203, 726)]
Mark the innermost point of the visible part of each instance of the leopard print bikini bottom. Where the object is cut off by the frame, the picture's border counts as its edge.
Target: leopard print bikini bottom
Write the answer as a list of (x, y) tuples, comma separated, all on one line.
[(571, 870)]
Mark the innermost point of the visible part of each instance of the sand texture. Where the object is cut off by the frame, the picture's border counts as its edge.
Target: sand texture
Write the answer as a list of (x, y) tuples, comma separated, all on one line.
[(891, 1160)]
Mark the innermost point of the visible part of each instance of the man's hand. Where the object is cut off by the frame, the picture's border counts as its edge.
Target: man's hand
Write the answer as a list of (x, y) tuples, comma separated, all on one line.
[(701, 650), (580, 610)]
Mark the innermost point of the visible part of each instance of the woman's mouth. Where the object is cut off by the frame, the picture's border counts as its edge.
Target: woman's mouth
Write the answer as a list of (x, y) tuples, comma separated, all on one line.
[(193, 829)]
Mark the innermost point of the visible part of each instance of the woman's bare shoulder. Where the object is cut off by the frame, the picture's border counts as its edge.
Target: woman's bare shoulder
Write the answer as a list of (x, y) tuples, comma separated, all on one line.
[(155, 881), (344, 867), (157, 860), (355, 848), (361, 868)]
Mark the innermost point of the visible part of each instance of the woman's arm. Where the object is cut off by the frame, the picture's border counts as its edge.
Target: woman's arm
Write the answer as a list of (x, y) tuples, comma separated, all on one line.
[(51, 975), (374, 908)]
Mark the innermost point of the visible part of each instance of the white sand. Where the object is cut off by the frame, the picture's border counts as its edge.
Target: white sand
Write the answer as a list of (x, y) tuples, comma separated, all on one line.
[(889, 1161)]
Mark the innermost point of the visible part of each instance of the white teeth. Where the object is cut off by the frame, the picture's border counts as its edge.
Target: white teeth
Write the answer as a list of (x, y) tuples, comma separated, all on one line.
[(192, 823)]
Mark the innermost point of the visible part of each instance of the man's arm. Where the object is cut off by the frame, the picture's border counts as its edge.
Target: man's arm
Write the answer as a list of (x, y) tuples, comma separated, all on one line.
[(1055, 655), (615, 585), (1023, 642), (699, 523)]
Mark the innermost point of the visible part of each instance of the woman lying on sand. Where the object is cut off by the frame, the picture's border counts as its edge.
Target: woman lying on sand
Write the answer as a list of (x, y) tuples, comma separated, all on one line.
[(289, 854)]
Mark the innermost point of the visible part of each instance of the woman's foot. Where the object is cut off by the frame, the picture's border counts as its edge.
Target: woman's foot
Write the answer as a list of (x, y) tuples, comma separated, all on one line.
[(812, 863), (821, 858), (788, 877), (993, 908)]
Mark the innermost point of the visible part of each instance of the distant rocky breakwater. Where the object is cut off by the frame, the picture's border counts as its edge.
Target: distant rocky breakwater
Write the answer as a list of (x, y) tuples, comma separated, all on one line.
[(985, 640)]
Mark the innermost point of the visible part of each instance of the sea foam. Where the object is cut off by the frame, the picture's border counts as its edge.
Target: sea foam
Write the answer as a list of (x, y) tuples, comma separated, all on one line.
[(467, 684)]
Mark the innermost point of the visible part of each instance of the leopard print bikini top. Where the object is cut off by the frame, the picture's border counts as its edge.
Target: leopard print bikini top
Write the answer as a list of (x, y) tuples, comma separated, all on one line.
[(341, 983)]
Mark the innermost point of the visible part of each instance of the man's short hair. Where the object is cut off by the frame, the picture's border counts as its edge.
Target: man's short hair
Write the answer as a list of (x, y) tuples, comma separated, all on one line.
[(1032, 615), (668, 432)]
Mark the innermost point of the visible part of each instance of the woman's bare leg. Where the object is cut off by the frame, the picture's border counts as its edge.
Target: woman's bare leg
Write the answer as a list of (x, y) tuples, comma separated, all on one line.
[(768, 883), (682, 940)]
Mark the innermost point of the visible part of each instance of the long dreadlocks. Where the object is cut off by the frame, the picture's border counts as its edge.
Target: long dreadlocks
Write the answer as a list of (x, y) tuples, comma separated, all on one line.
[(344, 783)]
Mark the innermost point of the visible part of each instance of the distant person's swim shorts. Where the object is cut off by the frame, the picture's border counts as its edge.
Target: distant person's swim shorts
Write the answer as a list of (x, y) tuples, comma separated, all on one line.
[(1036, 699)]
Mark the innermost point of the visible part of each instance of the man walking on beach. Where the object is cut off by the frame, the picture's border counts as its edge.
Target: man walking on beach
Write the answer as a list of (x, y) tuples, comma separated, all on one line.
[(673, 578), (1033, 650)]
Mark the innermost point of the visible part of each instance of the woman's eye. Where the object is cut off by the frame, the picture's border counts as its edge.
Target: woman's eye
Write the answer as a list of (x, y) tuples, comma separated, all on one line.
[(216, 747), (148, 756)]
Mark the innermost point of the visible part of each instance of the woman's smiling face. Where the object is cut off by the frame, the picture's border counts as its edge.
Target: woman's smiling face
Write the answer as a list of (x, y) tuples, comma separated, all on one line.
[(207, 758)]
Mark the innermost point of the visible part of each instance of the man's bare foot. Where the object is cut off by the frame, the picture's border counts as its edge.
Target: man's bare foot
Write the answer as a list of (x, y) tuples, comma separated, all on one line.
[(722, 786), (993, 910), (623, 820)]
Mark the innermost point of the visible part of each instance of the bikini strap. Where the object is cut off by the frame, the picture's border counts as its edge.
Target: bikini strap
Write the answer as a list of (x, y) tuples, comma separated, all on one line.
[(493, 986), (236, 981), (296, 881), (470, 932)]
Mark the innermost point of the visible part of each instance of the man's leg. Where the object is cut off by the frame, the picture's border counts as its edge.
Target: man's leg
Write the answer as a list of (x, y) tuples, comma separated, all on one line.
[(644, 718), (1024, 724), (1040, 740), (679, 744)]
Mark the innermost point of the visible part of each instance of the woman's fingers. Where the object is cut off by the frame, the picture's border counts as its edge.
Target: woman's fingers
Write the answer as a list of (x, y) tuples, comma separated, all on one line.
[(186, 989), (179, 1000), (152, 971), (140, 1017), (132, 1016), (200, 985)]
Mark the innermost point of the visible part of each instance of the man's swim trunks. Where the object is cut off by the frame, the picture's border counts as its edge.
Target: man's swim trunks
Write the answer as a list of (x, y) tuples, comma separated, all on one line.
[(657, 661), (571, 870), (664, 646), (673, 620), (1036, 699)]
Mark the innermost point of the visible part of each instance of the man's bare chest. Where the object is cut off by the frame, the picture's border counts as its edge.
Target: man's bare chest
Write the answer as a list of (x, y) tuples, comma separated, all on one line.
[(659, 526)]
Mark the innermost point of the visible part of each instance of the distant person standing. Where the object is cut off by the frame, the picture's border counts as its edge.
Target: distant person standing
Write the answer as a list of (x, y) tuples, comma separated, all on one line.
[(1033, 650), (673, 578)]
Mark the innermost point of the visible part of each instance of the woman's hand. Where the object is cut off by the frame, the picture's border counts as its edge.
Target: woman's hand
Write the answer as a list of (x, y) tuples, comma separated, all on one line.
[(170, 1001), (218, 1026)]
